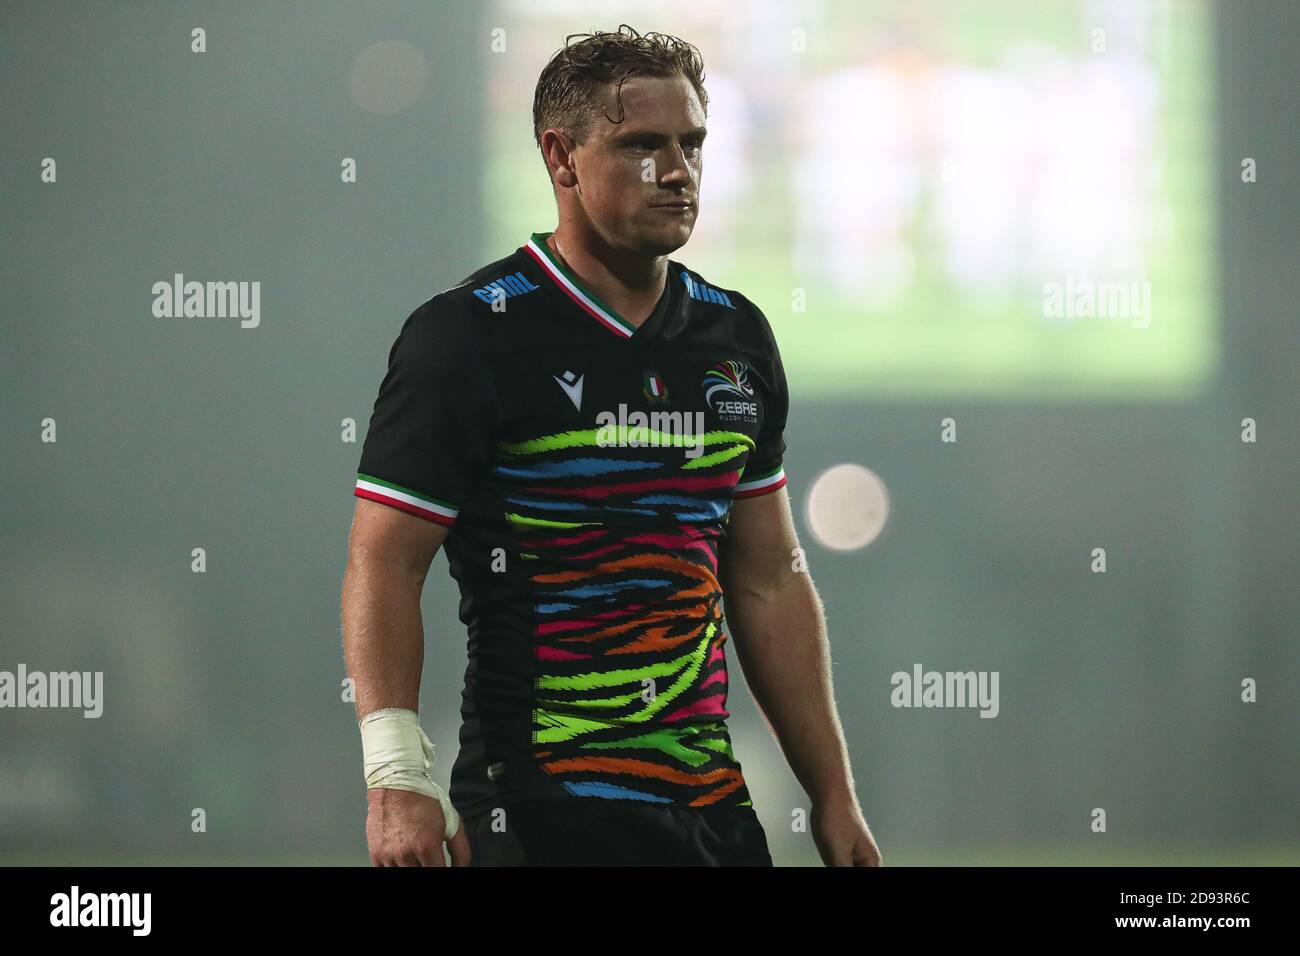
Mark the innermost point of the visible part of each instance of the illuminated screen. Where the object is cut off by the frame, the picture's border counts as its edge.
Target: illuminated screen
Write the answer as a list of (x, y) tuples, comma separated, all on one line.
[(980, 198)]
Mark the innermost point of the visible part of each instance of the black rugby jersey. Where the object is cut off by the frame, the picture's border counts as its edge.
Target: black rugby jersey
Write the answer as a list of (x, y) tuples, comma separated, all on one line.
[(586, 468)]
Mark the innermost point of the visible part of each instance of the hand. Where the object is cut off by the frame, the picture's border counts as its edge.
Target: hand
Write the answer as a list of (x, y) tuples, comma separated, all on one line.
[(404, 828), (842, 835)]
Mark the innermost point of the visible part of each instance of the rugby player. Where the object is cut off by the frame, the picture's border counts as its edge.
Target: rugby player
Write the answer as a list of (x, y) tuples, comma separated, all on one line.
[(539, 422)]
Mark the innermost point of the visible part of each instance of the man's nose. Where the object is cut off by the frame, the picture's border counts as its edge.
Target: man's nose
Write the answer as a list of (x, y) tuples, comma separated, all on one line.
[(676, 167)]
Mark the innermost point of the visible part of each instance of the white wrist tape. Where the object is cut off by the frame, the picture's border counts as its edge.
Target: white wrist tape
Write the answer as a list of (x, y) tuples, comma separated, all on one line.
[(399, 756)]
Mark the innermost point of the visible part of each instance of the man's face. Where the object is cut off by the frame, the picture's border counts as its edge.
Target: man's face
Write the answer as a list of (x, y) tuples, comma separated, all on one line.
[(638, 181)]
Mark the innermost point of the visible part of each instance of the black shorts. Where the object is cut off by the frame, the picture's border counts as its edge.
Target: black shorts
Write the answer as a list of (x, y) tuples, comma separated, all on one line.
[(591, 831)]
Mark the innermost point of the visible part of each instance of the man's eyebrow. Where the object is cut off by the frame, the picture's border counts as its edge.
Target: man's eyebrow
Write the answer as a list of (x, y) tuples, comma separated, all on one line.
[(698, 132)]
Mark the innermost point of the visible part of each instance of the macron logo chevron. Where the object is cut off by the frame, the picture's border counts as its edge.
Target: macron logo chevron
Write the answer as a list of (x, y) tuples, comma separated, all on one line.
[(572, 385)]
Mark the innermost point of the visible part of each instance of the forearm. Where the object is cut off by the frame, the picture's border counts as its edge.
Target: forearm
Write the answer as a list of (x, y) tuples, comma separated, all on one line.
[(383, 635), (781, 642)]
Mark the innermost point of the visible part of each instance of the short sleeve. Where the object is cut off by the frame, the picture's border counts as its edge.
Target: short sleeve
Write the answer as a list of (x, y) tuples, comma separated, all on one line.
[(764, 471), (432, 429)]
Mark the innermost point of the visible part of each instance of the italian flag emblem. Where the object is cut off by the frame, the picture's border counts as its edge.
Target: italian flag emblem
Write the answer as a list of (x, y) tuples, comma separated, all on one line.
[(653, 388)]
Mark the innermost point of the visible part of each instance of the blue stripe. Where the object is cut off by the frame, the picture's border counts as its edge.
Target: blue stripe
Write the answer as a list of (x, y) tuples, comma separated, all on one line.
[(578, 507), (575, 467), (591, 590), (549, 608), (695, 516), (594, 788), (680, 500)]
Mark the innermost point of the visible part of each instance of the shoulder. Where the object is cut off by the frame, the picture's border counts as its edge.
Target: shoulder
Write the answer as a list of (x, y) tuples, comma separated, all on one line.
[(748, 320), (460, 309), (484, 291)]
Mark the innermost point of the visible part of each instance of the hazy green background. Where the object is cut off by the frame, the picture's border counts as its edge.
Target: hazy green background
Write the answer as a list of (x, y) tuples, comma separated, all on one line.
[(937, 335), (223, 689)]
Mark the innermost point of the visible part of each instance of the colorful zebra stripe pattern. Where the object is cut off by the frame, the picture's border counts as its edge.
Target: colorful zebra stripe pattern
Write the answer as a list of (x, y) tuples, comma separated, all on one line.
[(630, 683)]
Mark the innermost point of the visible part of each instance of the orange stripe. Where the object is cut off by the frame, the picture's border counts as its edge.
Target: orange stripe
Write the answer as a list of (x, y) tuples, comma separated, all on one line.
[(656, 639), (669, 614), (729, 777), (639, 561)]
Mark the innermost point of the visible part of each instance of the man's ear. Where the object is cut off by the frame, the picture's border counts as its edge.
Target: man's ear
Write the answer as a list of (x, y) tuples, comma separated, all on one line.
[(559, 154)]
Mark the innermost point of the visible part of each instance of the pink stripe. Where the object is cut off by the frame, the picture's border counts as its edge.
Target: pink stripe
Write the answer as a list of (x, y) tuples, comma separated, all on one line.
[(659, 540), (566, 539), (553, 626), (547, 653), (668, 540), (727, 478), (685, 530), (711, 705), (718, 675), (600, 552)]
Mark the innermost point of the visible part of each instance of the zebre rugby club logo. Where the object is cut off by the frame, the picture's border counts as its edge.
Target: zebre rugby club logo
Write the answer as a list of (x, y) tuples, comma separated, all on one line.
[(728, 392)]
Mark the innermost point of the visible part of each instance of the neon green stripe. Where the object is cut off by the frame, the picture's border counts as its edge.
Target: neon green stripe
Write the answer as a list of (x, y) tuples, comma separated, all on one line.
[(526, 522), (561, 727), (704, 461), (626, 675), (609, 703), (721, 744), (587, 438), (681, 744)]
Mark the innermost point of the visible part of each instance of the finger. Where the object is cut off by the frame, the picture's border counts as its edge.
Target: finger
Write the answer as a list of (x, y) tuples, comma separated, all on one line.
[(430, 854), (864, 854), (459, 847), (848, 854)]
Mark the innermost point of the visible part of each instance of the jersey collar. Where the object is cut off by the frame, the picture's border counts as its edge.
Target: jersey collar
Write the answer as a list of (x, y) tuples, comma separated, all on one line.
[(584, 298)]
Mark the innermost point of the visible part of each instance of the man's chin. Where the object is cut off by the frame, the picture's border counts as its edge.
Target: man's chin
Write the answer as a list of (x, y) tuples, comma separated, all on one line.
[(665, 239)]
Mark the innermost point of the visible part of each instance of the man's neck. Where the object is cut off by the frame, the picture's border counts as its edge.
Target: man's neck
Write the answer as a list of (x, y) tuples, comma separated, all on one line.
[(630, 285)]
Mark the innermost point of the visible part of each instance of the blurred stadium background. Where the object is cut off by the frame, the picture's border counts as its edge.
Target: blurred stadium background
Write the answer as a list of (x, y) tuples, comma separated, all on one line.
[(919, 169)]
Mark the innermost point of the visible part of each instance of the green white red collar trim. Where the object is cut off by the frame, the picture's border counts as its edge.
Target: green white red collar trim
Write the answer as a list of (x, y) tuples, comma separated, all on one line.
[(571, 286)]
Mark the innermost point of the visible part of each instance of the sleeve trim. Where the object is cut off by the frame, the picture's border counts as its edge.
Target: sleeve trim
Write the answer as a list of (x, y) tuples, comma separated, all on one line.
[(760, 486), (388, 493)]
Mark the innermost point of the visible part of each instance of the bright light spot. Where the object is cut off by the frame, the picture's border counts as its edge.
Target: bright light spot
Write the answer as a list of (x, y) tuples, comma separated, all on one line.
[(847, 507)]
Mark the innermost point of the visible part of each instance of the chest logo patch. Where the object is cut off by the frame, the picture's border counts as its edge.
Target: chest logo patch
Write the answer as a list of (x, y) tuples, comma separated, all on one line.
[(728, 392), (653, 388)]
